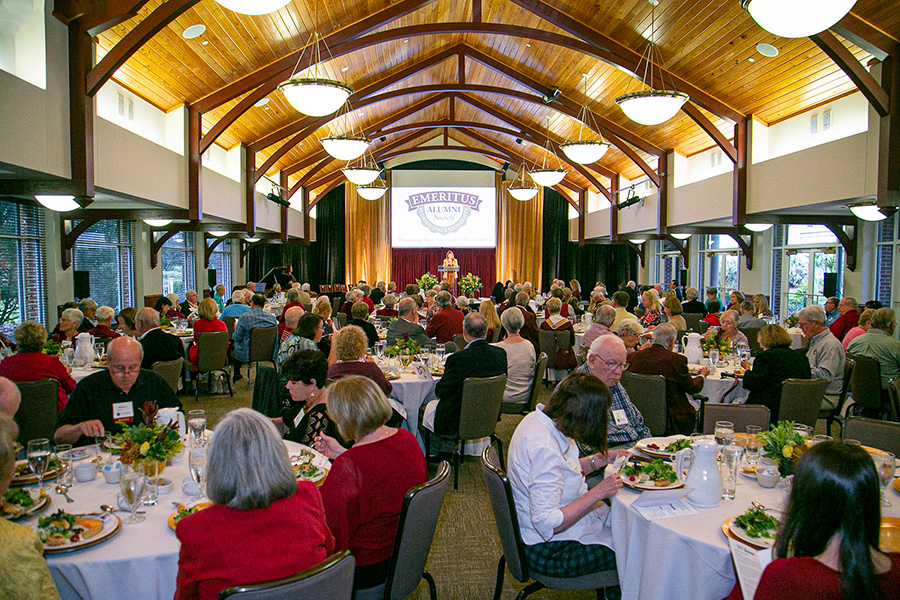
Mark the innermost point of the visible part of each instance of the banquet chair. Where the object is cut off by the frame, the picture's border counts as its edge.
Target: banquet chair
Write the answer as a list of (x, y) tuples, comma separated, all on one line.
[(212, 357), (865, 387), (883, 435), (521, 408), (704, 327), (739, 414), (894, 395), (332, 578), (263, 342), (229, 323), (36, 416), (693, 321), (648, 394), (504, 509), (550, 342), (335, 305), (752, 334), (170, 370), (415, 533), (834, 415), (801, 400), (342, 318), (460, 340), (269, 393), (639, 312), (478, 416)]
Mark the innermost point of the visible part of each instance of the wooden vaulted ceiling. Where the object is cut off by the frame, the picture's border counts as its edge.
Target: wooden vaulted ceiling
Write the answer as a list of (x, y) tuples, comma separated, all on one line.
[(707, 43)]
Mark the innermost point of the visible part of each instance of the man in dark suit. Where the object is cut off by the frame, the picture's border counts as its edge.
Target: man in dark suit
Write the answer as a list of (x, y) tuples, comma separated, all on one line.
[(189, 305), (659, 359), (447, 322), (407, 322), (628, 288), (377, 295), (478, 359), (158, 345), (692, 304)]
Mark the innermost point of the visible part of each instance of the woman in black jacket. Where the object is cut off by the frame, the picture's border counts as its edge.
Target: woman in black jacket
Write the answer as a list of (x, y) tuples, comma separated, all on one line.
[(776, 363)]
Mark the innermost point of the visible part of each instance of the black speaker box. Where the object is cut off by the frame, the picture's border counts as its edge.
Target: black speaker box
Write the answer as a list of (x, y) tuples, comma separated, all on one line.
[(211, 277), (82, 280), (829, 288)]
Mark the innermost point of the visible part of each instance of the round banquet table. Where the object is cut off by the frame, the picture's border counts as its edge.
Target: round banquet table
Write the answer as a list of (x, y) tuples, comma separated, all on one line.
[(412, 392), (715, 387), (141, 561), (688, 556)]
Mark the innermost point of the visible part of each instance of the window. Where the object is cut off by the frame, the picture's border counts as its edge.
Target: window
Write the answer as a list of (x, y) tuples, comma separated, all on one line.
[(669, 263), (178, 264), (887, 248), (720, 262), (220, 260), (810, 251), (105, 250), (22, 296)]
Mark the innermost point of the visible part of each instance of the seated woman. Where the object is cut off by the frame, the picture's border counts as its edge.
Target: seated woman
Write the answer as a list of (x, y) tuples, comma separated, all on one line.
[(489, 312), (561, 520), (305, 417), (631, 332), (827, 547), (735, 302), (771, 367), (24, 573), (861, 327), (165, 309), (462, 304), (728, 330), (322, 307), (520, 358), (125, 319), (363, 493), (208, 322), (564, 310), (67, 329), (762, 306), (712, 317), (389, 301), (556, 322), (349, 349), (308, 333), (263, 525), (652, 309), (672, 308), (31, 364)]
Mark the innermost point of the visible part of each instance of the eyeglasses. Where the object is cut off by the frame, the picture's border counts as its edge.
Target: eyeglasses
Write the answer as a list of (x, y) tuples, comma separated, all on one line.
[(613, 365), (123, 369)]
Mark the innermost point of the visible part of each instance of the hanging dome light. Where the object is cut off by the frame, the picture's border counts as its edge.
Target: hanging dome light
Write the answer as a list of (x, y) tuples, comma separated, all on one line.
[(547, 177), (253, 7), (523, 194), (157, 222), (59, 203), (361, 175), (345, 147), (218, 232), (797, 18), (867, 212), (585, 152), (758, 227), (652, 107), (371, 192), (681, 236), (251, 240), (637, 240), (315, 97)]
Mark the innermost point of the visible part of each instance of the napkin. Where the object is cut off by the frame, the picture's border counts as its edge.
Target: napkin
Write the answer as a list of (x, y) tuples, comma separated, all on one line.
[(654, 498)]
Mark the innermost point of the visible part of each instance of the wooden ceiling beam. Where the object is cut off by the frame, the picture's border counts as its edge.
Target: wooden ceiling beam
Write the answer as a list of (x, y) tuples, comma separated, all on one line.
[(867, 36), (843, 58), (96, 17)]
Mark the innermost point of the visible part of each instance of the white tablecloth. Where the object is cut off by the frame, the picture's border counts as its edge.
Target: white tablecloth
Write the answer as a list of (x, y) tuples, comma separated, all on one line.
[(412, 393), (715, 386), (79, 373)]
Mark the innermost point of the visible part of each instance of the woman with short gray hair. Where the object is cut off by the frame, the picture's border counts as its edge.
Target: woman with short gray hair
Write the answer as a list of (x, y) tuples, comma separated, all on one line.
[(67, 329), (263, 524), (520, 358), (630, 331)]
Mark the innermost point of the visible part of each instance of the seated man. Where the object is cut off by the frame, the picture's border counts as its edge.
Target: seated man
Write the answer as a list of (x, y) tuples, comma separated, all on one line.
[(620, 302), (477, 359), (378, 294), (848, 320), (659, 359), (87, 308), (291, 318), (693, 305), (104, 315), (247, 322), (879, 343), (190, 304), (748, 316), (447, 321), (360, 313), (825, 353), (407, 323), (237, 306), (111, 396), (603, 320), (158, 345)]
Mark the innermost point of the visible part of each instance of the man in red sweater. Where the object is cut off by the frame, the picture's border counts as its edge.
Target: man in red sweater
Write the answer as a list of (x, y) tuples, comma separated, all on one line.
[(848, 320), (447, 322), (104, 315)]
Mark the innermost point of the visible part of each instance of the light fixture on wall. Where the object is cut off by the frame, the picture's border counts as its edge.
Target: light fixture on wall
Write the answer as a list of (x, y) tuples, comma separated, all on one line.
[(218, 232), (649, 106), (57, 202), (547, 176), (868, 212), (758, 227), (637, 240), (157, 222), (797, 18), (253, 7), (681, 236), (251, 240), (584, 151)]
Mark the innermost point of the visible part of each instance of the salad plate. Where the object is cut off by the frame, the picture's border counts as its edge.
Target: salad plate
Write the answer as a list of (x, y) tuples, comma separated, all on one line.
[(663, 447), (310, 466), (64, 532), (649, 476), (25, 476), (21, 503), (755, 527), (184, 511)]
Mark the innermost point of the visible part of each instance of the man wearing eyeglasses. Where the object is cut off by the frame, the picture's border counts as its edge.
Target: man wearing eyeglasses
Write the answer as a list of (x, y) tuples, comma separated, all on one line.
[(112, 396), (659, 359)]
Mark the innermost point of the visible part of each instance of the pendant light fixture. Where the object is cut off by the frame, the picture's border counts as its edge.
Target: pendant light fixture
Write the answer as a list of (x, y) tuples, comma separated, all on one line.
[(58, 203), (346, 147), (520, 189), (313, 95), (868, 212), (548, 176), (797, 18), (373, 191), (253, 7), (362, 173), (649, 106), (584, 151)]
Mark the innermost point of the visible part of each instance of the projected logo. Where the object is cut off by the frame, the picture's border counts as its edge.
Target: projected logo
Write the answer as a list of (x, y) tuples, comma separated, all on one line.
[(444, 211)]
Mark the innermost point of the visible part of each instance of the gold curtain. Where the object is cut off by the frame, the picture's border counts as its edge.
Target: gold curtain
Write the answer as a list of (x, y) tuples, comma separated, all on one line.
[(519, 236), (368, 236)]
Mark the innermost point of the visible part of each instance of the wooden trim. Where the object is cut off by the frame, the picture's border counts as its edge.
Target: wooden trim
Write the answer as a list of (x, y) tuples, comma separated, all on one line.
[(81, 113), (842, 57), (613, 211), (195, 182), (67, 239), (582, 215), (249, 189), (888, 191), (156, 244), (662, 195), (711, 130), (867, 36), (739, 177), (208, 248)]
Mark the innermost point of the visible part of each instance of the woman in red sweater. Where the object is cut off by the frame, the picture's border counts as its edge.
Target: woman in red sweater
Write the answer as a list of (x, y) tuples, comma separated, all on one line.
[(827, 548), (208, 322), (31, 364), (364, 490), (263, 524)]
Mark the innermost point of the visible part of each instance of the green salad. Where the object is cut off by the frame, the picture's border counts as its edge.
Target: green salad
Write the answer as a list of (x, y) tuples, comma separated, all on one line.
[(657, 472), (18, 497), (757, 523), (679, 445)]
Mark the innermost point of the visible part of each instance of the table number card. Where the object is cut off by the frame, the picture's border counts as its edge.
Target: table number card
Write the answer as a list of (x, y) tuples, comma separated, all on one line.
[(421, 371)]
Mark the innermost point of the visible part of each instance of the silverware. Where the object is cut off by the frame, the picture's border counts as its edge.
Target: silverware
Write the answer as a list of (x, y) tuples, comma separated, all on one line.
[(63, 491), (109, 509), (759, 506)]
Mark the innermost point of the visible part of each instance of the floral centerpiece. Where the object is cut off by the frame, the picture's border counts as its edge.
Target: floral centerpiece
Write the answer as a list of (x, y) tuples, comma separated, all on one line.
[(52, 348), (150, 442), (711, 342), (792, 321), (469, 284), (405, 349), (783, 445), (427, 281)]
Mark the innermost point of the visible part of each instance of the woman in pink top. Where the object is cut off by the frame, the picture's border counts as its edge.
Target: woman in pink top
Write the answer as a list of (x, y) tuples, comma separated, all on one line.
[(861, 328)]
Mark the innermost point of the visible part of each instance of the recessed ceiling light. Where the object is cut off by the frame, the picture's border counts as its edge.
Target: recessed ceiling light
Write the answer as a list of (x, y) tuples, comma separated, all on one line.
[(261, 102), (528, 45), (751, 59), (193, 31), (205, 42), (767, 50), (345, 69), (405, 41)]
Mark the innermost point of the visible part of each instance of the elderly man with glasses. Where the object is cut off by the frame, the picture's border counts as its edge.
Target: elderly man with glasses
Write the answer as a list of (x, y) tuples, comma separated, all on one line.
[(113, 396), (825, 353)]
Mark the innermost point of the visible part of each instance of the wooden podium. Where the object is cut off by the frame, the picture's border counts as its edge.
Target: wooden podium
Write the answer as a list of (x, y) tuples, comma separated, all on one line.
[(443, 271)]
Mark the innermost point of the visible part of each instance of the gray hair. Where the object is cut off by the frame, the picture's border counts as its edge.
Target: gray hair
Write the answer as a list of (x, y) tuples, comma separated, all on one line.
[(691, 293), (850, 301), (147, 317), (292, 316), (882, 319), (462, 302), (248, 465), (443, 299), (512, 319), (748, 306), (87, 304), (379, 285), (605, 315), (629, 327), (522, 299), (292, 295), (475, 325), (730, 313), (365, 289), (814, 314), (389, 300), (664, 335), (74, 315), (305, 287), (605, 340), (407, 305), (104, 313), (237, 296)]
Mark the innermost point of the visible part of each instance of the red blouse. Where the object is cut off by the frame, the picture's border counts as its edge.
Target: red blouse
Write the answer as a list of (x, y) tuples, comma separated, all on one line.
[(364, 491), (222, 546), (204, 326), (34, 366)]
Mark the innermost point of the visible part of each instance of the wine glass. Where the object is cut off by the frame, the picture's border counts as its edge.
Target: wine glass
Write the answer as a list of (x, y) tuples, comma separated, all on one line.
[(752, 445), (197, 465), (131, 482), (439, 350), (38, 454), (197, 422), (885, 464)]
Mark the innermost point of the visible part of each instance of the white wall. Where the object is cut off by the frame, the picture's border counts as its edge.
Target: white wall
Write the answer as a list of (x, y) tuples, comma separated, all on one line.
[(139, 116), (849, 116), (22, 49)]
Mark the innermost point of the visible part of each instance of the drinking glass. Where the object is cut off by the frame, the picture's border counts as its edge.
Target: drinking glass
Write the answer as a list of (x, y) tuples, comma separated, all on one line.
[(805, 431), (440, 354), (731, 455), (197, 465), (38, 455), (66, 460), (752, 444), (99, 350), (150, 495), (197, 423), (131, 482), (724, 434), (885, 463), (68, 356), (850, 442), (713, 357)]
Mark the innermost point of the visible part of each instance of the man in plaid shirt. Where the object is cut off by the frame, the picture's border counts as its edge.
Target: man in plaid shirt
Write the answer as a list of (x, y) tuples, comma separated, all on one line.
[(253, 318)]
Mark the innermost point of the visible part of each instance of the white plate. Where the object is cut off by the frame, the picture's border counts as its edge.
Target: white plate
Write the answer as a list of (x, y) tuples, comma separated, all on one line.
[(111, 526), (649, 486), (741, 534), (662, 442), (40, 503)]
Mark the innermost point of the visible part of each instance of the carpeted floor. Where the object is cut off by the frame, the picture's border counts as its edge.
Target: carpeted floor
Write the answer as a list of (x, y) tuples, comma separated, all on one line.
[(466, 547)]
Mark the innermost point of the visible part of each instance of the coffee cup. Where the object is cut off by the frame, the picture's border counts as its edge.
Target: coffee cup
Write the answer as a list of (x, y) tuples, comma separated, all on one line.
[(85, 472)]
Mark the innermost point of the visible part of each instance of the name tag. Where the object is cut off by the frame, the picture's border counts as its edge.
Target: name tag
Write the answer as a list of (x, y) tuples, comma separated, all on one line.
[(620, 417), (123, 412), (299, 417)]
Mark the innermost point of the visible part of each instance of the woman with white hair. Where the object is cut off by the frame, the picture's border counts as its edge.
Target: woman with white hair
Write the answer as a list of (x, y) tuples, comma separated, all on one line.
[(630, 331), (263, 525), (520, 358), (31, 364), (69, 322)]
